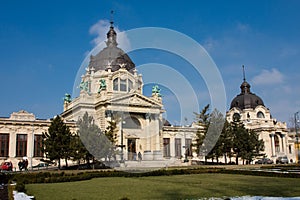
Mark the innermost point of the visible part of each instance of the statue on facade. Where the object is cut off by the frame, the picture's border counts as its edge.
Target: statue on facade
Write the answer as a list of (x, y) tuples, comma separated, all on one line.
[(67, 98), (102, 85), (156, 91), (84, 85)]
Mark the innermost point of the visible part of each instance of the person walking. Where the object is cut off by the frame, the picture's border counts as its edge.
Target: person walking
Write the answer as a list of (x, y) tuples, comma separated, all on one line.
[(26, 165), (20, 164), (139, 156)]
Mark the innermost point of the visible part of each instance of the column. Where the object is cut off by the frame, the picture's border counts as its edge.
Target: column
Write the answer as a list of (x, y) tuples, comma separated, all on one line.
[(157, 154), (172, 147), (157, 133), (147, 152), (30, 144), (183, 146), (283, 143), (148, 135), (12, 143), (272, 144)]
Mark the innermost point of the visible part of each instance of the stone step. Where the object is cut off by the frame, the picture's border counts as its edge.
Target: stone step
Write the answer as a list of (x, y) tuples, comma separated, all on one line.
[(150, 164)]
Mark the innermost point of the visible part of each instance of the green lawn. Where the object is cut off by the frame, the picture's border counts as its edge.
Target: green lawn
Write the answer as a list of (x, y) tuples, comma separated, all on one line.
[(168, 187)]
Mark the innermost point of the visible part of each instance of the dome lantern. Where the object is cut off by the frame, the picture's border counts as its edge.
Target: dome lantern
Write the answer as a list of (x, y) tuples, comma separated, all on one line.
[(111, 54), (246, 99)]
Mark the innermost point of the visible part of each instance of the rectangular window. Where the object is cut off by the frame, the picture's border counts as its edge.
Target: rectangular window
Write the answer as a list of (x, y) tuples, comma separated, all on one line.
[(123, 85), (21, 149), (188, 146), (4, 144), (166, 150), (178, 147), (130, 85), (38, 146)]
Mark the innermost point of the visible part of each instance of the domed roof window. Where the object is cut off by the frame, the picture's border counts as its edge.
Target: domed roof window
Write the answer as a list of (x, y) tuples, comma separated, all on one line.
[(123, 85), (132, 123), (260, 115), (236, 117)]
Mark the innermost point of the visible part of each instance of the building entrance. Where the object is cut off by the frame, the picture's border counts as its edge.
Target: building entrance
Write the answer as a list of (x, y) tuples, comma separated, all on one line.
[(131, 144)]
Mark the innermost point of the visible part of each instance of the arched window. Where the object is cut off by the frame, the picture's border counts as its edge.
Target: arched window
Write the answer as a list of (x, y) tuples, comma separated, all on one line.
[(290, 149), (130, 85), (277, 146), (236, 117), (132, 123), (260, 115), (123, 85), (116, 84)]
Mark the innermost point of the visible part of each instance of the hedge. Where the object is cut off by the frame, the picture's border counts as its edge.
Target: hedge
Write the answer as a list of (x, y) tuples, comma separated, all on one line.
[(55, 177)]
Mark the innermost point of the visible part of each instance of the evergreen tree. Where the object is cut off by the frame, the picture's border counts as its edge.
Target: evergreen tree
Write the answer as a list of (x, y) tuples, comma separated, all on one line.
[(93, 138), (239, 139), (111, 134), (255, 146), (213, 140), (246, 143), (57, 141), (202, 120), (79, 152), (227, 141)]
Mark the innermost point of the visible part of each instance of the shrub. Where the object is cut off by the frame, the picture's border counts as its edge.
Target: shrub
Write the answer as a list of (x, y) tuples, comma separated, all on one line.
[(20, 187)]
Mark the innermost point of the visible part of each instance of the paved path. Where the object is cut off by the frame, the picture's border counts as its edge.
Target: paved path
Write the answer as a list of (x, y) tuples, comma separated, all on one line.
[(3, 192)]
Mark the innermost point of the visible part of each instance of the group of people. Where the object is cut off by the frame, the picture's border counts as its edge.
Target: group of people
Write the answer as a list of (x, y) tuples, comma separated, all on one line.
[(23, 164)]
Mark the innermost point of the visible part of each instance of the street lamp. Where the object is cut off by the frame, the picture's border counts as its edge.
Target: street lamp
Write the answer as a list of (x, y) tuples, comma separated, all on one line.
[(296, 117), (186, 150), (32, 144), (122, 145), (185, 146)]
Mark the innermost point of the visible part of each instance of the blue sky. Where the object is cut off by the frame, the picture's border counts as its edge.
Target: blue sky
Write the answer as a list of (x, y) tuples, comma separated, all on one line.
[(43, 43)]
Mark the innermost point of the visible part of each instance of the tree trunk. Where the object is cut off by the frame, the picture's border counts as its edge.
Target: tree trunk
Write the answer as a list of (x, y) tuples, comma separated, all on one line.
[(66, 161), (58, 163), (93, 162)]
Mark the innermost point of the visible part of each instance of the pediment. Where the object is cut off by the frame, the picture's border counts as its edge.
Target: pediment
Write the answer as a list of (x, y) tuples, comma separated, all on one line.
[(22, 115), (135, 99)]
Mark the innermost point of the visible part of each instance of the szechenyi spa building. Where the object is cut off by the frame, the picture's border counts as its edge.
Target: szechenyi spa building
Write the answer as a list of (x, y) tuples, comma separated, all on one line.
[(112, 87)]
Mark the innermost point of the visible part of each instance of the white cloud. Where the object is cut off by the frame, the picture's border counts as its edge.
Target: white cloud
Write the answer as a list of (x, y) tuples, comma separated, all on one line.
[(210, 44), (243, 28), (287, 52), (101, 28), (268, 77)]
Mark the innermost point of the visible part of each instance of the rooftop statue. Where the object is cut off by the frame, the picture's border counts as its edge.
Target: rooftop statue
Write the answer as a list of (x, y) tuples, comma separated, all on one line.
[(156, 90), (102, 85), (67, 98), (84, 85)]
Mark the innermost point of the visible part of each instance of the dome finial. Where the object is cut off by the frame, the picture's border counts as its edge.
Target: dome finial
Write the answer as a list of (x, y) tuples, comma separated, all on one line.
[(245, 87), (111, 35), (244, 77), (112, 18)]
